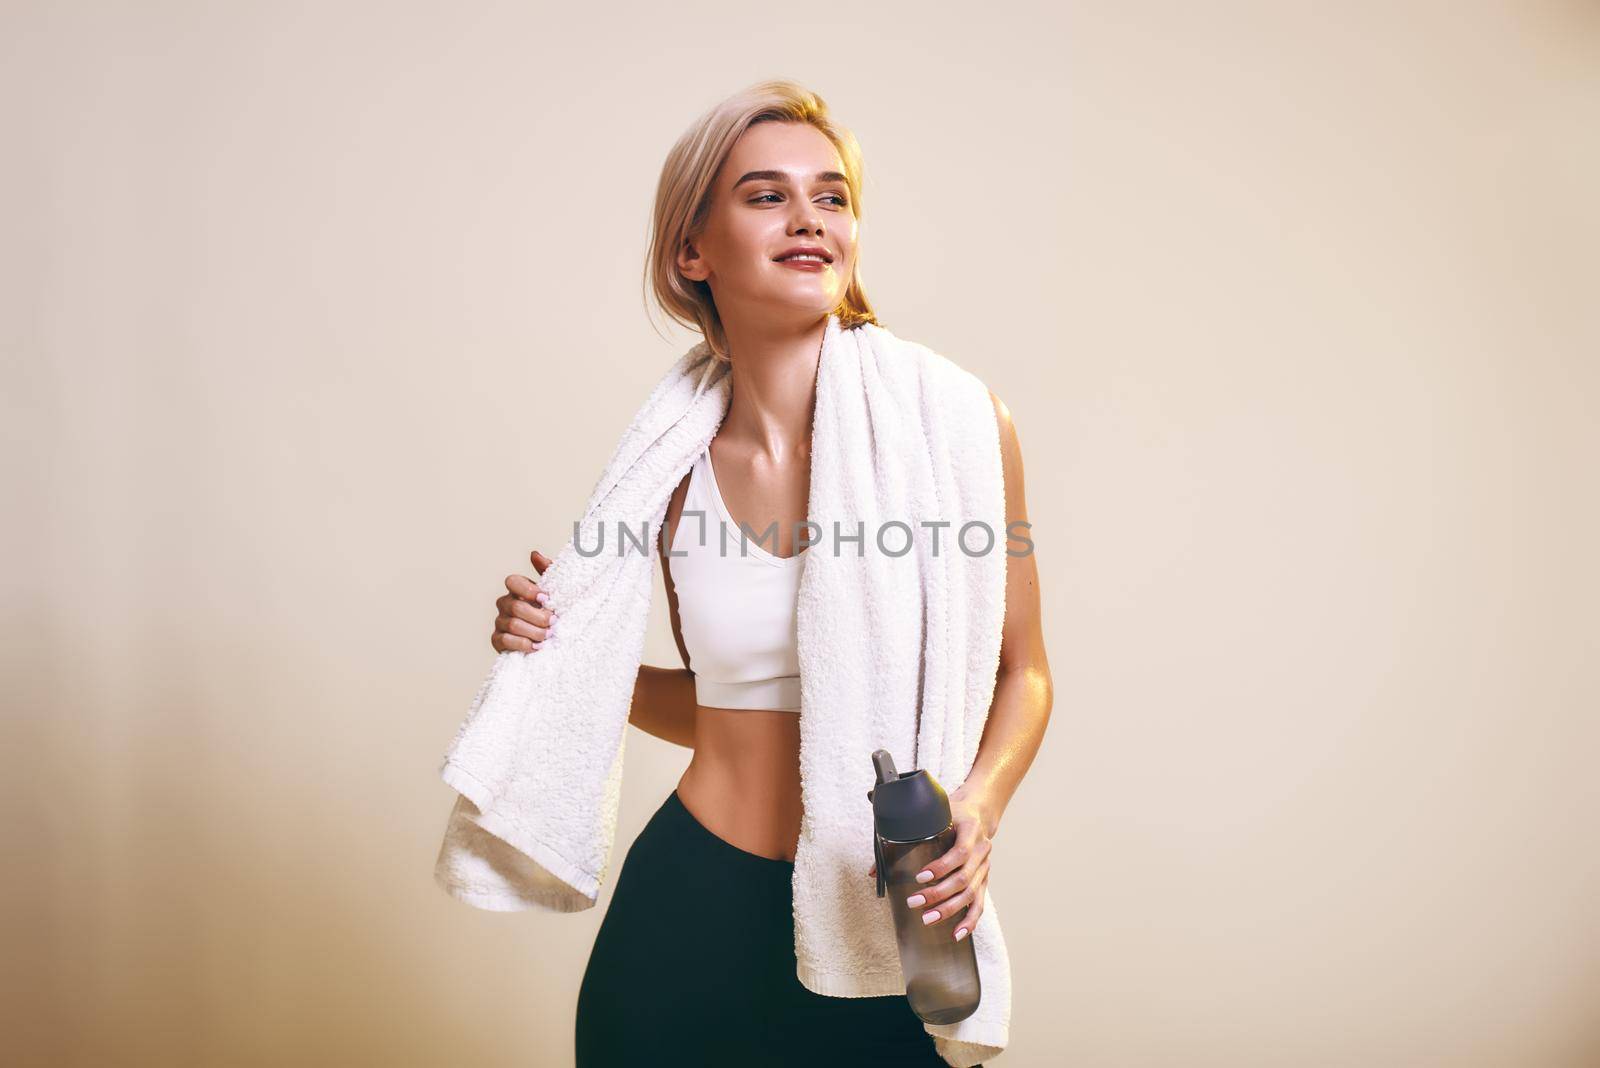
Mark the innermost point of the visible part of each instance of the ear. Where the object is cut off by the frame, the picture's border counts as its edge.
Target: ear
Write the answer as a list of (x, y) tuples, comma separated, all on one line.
[(690, 263)]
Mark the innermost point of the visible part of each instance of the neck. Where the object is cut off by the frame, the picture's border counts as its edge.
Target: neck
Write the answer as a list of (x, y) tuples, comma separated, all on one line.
[(774, 386)]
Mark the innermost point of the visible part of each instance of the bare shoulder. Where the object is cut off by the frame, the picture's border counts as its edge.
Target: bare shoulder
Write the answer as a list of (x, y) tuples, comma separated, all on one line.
[(1010, 459), (1002, 415)]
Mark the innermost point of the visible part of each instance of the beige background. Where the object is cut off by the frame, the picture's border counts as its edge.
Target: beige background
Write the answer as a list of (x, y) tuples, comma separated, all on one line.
[(318, 317)]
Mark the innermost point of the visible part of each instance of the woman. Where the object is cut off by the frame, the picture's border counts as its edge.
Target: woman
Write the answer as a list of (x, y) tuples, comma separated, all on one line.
[(755, 244)]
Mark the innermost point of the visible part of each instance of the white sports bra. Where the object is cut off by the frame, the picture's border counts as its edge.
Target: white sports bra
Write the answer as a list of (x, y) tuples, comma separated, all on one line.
[(736, 604)]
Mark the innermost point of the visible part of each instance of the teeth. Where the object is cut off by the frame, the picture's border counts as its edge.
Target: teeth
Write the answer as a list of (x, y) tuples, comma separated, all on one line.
[(803, 256)]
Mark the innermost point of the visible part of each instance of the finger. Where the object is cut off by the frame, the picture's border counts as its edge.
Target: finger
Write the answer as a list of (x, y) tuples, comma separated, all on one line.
[(540, 561), (957, 907), (516, 606), (873, 874), (938, 893), (947, 910), (520, 628), (974, 868), (523, 587), (510, 643), (946, 862), (969, 920)]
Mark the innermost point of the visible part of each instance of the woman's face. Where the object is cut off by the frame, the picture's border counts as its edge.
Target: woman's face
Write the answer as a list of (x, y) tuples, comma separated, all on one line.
[(782, 186)]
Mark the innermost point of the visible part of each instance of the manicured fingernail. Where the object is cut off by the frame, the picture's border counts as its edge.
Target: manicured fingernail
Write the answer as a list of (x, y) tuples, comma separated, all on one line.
[(542, 598), (924, 876), (961, 932), (929, 917), (915, 899)]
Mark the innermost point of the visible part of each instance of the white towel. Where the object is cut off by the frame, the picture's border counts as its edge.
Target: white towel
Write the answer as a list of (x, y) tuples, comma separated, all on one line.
[(898, 652)]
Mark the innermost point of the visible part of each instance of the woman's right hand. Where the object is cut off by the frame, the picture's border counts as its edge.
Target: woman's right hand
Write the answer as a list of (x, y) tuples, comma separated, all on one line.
[(522, 622)]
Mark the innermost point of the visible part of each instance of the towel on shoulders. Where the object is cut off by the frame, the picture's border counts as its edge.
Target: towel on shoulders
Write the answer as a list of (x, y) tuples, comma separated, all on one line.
[(899, 615)]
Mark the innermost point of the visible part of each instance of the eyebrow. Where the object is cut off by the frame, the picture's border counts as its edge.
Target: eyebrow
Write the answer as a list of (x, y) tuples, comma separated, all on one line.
[(779, 176)]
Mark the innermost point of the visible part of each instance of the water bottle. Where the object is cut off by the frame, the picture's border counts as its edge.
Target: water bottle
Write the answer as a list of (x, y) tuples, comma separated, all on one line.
[(912, 828)]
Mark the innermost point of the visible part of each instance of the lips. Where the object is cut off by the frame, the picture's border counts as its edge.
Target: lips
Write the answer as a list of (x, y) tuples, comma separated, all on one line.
[(804, 252)]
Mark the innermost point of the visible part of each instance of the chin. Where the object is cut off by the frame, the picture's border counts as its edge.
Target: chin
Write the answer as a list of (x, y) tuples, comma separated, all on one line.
[(815, 301), (811, 309)]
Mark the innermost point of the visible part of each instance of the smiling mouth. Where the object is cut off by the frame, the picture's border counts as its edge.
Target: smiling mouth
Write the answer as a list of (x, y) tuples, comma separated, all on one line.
[(804, 257)]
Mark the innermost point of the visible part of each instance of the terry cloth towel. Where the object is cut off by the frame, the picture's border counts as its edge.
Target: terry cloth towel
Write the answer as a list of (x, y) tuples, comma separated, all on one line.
[(898, 629)]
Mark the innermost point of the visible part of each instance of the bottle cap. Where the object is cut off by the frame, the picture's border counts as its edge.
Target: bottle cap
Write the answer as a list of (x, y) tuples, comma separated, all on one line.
[(909, 806)]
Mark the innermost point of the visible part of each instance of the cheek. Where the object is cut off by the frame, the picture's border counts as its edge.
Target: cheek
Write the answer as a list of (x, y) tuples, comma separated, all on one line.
[(847, 245), (738, 239), (756, 233)]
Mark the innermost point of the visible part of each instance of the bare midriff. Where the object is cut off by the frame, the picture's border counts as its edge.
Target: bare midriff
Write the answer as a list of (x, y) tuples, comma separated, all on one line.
[(743, 782)]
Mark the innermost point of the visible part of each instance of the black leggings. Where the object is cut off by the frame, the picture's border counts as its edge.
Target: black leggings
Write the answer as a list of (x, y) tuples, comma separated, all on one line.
[(694, 964)]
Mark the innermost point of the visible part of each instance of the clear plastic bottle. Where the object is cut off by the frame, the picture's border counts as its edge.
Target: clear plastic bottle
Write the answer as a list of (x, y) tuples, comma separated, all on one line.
[(912, 827)]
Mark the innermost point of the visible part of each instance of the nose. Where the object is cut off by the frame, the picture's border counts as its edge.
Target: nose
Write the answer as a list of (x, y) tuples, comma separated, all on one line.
[(808, 220)]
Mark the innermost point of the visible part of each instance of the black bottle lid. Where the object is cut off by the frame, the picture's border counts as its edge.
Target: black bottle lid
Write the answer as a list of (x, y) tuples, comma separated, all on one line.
[(909, 806)]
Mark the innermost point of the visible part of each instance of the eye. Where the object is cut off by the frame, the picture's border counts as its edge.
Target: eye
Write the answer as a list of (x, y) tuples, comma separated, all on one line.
[(837, 198)]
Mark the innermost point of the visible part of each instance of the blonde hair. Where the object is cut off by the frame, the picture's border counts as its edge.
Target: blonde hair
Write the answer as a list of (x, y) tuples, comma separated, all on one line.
[(683, 200)]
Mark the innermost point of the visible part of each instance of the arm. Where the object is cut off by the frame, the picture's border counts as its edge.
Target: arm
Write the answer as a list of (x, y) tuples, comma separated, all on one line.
[(664, 704), (1023, 692), (663, 698)]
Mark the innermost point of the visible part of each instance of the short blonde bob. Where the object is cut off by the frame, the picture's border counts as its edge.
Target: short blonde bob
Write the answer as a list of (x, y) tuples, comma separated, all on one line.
[(683, 199)]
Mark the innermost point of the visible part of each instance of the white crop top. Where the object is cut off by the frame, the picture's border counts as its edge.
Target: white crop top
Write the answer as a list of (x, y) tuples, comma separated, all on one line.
[(736, 604)]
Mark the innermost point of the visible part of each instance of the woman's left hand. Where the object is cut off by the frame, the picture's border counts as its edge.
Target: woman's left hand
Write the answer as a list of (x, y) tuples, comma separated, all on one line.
[(956, 880)]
